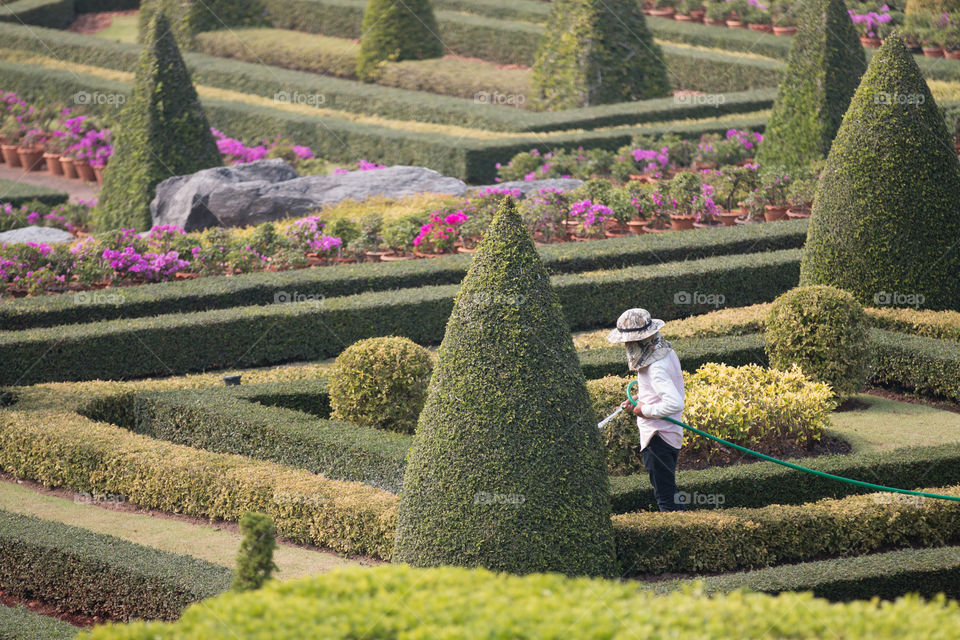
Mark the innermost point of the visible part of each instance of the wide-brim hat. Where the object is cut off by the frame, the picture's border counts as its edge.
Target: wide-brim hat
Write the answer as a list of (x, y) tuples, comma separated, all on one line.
[(634, 325)]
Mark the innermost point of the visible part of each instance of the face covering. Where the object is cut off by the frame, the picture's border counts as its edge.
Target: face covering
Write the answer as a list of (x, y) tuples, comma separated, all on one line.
[(642, 353)]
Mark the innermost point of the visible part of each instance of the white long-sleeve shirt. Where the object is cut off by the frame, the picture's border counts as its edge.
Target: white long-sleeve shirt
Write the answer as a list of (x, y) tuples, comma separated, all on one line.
[(660, 390)]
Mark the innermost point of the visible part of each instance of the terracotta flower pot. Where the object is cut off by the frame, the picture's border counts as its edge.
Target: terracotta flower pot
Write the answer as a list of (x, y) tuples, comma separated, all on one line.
[(728, 218), (714, 22), (98, 174), (31, 158), (53, 164), (871, 43), (933, 52), (637, 226), (736, 24), (461, 249), (697, 15), (69, 170), (10, 155), (761, 28), (784, 31), (682, 223), (665, 12), (421, 254), (774, 213), (649, 228), (85, 171), (796, 214), (683, 17), (953, 54), (394, 257)]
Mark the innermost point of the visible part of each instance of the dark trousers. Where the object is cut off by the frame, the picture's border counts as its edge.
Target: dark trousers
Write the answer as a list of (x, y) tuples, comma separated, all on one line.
[(660, 461)]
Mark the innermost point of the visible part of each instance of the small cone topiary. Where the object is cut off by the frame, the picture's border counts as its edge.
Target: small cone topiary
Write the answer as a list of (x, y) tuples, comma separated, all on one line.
[(885, 217), (255, 558), (824, 68), (395, 30), (507, 469), (597, 52), (162, 132)]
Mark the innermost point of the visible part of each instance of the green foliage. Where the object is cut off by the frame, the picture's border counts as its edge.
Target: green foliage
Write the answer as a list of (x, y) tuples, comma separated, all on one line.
[(56, 14), (218, 292), (163, 132), (478, 603), (824, 331), (597, 53), (381, 383), (621, 438), (19, 623), (255, 562), (923, 365), (932, 7), (507, 471), (394, 30), (823, 70), (885, 220), (733, 539), (98, 575), (189, 17)]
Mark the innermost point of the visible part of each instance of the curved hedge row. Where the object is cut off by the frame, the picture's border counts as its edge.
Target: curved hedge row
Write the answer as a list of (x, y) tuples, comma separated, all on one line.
[(98, 575), (261, 288), (478, 603), (56, 14)]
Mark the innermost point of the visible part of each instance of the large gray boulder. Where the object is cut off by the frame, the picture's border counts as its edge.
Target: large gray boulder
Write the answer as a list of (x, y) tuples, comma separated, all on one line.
[(183, 200), (528, 187), (212, 197), (40, 235)]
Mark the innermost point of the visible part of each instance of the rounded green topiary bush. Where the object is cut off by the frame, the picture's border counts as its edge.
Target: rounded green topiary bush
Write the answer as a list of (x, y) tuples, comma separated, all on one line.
[(824, 68), (885, 217), (162, 132), (507, 467), (597, 52), (381, 383), (824, 331), (395, 30)]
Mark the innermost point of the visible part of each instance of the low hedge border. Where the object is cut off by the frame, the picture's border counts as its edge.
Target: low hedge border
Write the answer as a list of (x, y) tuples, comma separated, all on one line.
[(218, 292), (926, 366), (19, 623), (64, 449), (256, 78), (180, 343), (55, 14), (734, 539), (83, 572), (18, 193), (888, 576)]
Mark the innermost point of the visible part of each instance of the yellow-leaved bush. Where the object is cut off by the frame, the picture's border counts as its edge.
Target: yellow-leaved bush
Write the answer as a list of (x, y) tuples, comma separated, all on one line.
[(749, 405)]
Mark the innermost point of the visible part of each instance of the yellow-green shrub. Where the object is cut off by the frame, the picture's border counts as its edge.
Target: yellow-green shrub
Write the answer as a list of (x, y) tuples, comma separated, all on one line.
[(381, 382), (462, 603), (62, 449), (943, 325)]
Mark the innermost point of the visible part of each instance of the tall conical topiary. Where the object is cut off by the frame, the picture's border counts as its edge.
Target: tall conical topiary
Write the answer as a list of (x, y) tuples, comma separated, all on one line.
[(886, 216), (597, 52), (394, 30), (823, 70), (162, 132), (507, 469)]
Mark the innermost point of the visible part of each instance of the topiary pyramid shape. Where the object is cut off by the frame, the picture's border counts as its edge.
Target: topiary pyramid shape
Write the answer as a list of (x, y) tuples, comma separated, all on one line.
[(396, 30), (162, 132), (886, 216), (823, 70), (597, 52), (507, 469)]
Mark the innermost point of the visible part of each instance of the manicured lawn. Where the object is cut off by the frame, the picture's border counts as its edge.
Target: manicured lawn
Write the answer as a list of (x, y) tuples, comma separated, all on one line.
[(122, 29), (207, 542), (888, 424)]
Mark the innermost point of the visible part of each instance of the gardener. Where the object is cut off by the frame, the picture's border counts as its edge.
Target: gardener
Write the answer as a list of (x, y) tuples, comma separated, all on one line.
[(660, 393)]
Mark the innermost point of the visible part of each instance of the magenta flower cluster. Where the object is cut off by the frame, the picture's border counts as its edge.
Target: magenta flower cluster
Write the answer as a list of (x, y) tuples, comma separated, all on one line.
[(869, 22), (747, 139), (307, 234), (656, 160), (236, 152), (590, 213), (440, 232), (362, 165)]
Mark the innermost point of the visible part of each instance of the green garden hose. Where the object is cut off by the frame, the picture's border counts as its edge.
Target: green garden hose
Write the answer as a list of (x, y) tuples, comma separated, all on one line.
[(869, 485)]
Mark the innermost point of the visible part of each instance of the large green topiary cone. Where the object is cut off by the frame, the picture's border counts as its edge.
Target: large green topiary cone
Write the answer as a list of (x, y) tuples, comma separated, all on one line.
[(597, 52), (162, 132), (824, 68), (507, 469), (886, 217), (395, 30)]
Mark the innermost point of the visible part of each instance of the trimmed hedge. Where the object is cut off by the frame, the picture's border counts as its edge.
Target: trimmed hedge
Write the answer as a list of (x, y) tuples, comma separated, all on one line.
[(19, 623), (63, 449), (884, 218), (480, 604), (55, 14), (250, 336), (217, 292), (926, 366), (890, 575), (92, 574), (18, 193), (394, 30), (733, 539), (190, 17)]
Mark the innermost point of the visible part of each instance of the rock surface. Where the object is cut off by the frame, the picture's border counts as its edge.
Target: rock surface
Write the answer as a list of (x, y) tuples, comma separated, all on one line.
[(528, 187), (23, 235), (260, 192)]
